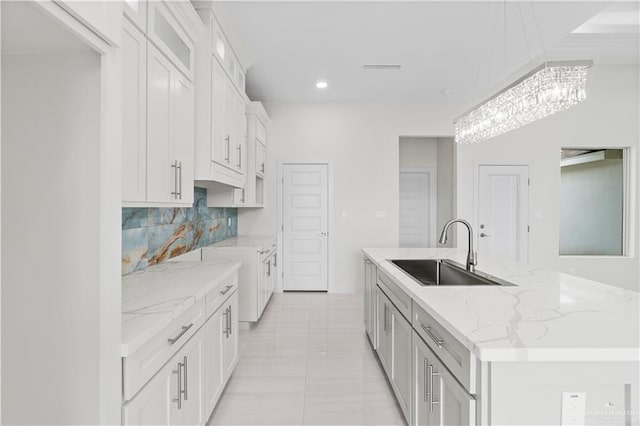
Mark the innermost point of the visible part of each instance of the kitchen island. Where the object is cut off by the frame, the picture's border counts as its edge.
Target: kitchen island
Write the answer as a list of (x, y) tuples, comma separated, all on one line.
[(516, 351)]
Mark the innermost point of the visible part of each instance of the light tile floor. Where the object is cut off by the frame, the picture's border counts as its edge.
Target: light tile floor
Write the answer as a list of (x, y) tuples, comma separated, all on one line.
[(308, 362)]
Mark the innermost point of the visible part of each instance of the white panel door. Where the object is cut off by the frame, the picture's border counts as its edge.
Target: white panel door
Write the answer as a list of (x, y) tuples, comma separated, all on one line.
[(503, 212), (417, 201), (305, 232)]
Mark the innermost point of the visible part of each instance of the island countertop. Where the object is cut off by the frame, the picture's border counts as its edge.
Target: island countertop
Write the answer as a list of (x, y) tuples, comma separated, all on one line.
[(153, 298), (546, 316)]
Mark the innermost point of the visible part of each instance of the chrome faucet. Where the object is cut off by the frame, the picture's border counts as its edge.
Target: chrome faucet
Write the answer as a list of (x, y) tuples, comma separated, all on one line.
[(472, 260)]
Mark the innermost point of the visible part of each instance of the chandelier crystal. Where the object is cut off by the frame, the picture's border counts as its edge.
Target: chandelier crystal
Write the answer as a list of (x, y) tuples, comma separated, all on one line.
[(551, 87)]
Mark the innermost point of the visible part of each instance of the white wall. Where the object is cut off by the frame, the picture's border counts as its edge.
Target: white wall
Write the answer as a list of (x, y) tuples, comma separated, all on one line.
[(608, 118), (418, 152), (51, 354), (360, 141), (446, 188)]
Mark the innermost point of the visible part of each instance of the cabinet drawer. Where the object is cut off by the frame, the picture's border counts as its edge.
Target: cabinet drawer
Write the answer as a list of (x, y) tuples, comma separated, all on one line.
[(140, 366), (400, 299), (216, 297), (453, 354)]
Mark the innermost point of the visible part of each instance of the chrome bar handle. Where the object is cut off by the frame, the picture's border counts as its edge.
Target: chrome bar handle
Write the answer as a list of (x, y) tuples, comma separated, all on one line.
[(431, 401), (269, 268), (180, 175), (226, 289), (437, 341), (230, 321), (226, 323), (275, 258), (239, 156), (174, 166), (185, 328), (179, 398), (185, 378), (385, 317), (262, 168), (426, 380), (228, 140)]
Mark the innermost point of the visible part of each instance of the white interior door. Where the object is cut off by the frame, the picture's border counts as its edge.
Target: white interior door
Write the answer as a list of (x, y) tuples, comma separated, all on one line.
[(503, 206), (305, 230), (417, 208)]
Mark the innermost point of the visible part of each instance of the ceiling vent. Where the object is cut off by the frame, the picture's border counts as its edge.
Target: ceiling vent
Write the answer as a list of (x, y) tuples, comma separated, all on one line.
[(381, 67)]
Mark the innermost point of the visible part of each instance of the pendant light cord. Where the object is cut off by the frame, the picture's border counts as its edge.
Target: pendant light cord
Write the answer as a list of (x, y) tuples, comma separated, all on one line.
[(481, 50), (535, 19), (524, 31)]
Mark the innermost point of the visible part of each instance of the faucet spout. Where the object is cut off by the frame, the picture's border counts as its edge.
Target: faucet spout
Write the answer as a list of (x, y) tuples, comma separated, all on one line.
[(472, 259)]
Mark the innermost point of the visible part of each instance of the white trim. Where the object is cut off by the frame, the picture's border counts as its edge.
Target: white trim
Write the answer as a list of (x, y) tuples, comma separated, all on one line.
[(432, 172), (280, 224)]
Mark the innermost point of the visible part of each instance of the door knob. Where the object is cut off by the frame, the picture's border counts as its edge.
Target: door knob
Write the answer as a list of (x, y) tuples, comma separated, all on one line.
[(482, 235), (323, 234)]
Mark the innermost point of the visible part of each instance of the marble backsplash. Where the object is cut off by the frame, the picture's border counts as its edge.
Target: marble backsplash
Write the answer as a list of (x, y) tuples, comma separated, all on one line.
[(153, 235)]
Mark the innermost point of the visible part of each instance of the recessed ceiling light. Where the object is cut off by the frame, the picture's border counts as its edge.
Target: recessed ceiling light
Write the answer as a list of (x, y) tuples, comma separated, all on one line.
[(381, 66), (322, 84)]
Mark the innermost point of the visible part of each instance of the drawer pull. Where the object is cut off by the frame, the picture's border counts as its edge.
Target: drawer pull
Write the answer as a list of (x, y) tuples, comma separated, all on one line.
[(226, 290), (437, 341), (185, 328)]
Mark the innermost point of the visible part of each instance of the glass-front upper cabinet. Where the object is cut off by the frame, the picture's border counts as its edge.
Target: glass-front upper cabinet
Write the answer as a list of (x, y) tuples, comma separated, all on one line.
[(176, 41), (136, 11)]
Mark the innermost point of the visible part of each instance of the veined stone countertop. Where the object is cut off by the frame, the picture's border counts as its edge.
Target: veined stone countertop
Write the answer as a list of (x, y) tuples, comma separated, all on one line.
[(245, 241), (546, 316), (153, 298)]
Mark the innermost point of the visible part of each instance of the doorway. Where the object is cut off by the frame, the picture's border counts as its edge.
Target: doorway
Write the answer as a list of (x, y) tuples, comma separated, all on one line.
[(417, 207), (305, 233), (503, 212)]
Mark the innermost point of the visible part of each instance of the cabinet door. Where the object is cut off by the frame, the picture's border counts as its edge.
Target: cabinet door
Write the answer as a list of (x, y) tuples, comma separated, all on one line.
[(220, 148), (154, 404), (160, 162), (372, 303), (213, 359), (420, 394), (452, 405), (134, 109), (229, 124), (183, 137), (401, 359), (192, 358), (260, 158), (438, 398), (384, 331), (230, 345), (240, 122)]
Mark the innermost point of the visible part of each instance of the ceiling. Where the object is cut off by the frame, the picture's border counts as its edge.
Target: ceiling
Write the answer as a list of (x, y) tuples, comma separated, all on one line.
[(448, 51)]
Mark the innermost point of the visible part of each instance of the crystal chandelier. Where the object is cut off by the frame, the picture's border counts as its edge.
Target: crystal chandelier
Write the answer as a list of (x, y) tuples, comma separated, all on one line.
[(551, 87)]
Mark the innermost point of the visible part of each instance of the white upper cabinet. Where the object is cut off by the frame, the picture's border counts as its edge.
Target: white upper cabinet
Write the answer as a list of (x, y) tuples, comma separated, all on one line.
[(170, 37), (220, 146), (103, 17), (134, 120), (158, 107)]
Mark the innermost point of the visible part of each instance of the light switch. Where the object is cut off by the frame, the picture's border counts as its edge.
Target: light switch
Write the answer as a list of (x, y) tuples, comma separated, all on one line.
[(228, 221), (573, 408)]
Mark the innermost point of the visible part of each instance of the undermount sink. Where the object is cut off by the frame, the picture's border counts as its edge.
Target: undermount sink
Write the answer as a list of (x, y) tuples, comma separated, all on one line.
[(428, 272)]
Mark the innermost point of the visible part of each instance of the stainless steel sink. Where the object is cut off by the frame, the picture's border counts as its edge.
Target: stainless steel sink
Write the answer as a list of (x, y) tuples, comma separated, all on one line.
[(444, 272)]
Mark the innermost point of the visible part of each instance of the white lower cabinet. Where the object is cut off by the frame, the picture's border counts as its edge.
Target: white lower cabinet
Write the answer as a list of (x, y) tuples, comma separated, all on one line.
[(221, 350), (370, 273), (394, 350), (186, 388), (438, 398), (174, 395)]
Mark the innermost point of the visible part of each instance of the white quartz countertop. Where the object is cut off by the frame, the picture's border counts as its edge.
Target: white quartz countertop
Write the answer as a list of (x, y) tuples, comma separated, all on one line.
[(546, 316), (246, 241), (153, 298)]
